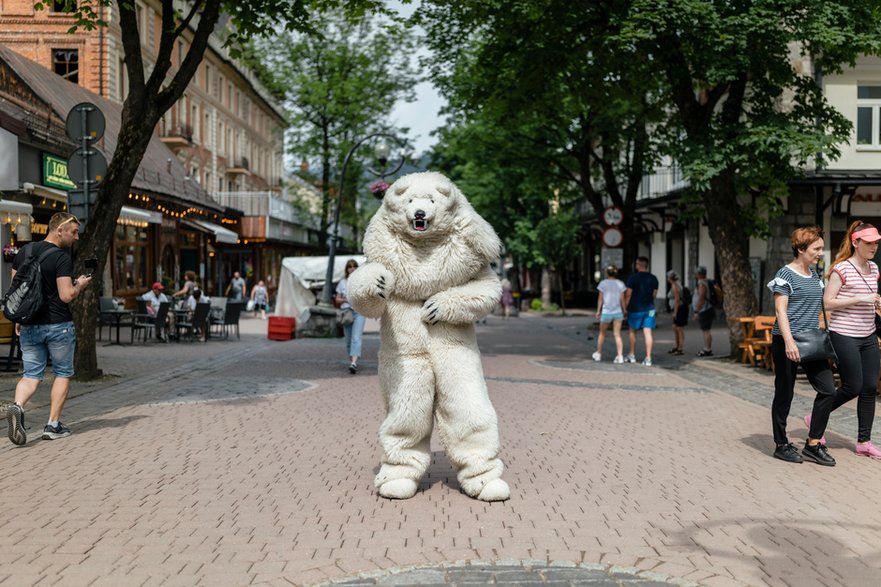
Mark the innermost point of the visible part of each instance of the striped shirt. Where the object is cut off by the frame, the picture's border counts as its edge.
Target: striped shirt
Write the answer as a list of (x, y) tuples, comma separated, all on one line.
[(805, 295), (857, 320)]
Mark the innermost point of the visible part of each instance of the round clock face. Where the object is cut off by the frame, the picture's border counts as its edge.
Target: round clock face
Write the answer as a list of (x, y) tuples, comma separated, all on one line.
[(612, 237), (613, 216)]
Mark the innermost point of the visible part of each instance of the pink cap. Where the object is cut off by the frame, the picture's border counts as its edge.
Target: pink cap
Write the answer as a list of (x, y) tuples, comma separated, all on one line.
[(870, 235)]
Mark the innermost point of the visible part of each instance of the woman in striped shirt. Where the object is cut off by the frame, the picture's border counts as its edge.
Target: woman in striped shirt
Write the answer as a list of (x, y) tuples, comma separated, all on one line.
[(798, 293), (852, 297)]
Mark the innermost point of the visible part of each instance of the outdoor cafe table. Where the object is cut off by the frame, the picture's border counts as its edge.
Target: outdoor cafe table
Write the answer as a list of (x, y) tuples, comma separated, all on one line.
[(117, 316)]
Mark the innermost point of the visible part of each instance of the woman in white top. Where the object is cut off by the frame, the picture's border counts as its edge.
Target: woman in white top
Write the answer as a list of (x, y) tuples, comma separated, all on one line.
[(354, 329), (610, 311), (852, 297)]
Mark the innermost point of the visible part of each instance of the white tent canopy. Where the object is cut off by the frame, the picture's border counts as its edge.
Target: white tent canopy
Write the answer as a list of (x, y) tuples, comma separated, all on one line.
[(300, 276)]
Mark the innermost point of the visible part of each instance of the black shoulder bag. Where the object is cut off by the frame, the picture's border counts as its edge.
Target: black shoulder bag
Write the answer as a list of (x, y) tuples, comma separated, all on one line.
[(815, 344), (877, 317)]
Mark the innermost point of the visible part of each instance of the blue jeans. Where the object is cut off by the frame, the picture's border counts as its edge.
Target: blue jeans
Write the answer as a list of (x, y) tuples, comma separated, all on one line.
[(41, 341), (353, 334)]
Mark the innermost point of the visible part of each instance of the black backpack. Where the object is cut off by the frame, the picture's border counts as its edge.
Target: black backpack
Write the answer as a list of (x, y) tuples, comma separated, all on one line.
[(24, 298)]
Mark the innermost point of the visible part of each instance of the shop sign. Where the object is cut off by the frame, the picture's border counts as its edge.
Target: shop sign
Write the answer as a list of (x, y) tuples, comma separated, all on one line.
[(55, 173)]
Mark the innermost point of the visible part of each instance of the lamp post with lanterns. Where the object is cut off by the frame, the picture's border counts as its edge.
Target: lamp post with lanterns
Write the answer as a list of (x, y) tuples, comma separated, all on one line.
[(381, 151)]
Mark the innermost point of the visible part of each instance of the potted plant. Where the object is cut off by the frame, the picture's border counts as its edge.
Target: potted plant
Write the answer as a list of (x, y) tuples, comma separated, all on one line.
[(9, 252)]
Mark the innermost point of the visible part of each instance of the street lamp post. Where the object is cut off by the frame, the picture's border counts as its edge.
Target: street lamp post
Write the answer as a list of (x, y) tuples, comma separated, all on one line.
[(382, 150)]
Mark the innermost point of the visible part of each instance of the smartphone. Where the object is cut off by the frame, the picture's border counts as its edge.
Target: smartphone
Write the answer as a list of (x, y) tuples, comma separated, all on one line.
[(91, 266)]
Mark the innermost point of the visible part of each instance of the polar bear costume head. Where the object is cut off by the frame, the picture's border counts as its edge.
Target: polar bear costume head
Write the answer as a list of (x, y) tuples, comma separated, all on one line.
[(429, 236)]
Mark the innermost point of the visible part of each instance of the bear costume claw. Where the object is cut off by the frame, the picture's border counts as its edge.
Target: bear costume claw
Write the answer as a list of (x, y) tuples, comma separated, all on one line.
[(495, 490), (399, 489)]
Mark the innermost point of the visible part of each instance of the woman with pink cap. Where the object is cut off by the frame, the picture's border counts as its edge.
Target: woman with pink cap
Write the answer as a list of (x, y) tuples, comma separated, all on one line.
[(852, 298)]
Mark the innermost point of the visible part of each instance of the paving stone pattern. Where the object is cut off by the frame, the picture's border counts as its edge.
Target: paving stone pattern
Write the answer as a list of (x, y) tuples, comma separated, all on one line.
[(251, 462)]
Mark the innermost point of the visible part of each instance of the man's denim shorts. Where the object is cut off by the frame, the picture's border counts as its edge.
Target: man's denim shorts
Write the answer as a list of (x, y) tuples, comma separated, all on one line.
[(637, 320), (41, 341)]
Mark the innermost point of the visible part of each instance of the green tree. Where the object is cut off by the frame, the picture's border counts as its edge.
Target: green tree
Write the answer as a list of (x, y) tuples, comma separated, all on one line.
[(154, 89), (339, 87), (543, 74), (746, 117)]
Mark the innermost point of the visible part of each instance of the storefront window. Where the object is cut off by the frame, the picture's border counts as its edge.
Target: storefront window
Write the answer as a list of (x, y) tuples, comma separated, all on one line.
[(131, 260)]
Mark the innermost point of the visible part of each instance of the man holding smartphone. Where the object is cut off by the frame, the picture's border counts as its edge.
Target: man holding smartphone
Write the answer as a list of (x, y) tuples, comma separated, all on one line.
[(51, 332)]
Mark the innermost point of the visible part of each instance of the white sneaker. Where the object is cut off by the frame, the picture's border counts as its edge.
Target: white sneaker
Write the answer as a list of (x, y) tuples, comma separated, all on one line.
[(630, 358), (618, 360), (597, 356), (647, 361)]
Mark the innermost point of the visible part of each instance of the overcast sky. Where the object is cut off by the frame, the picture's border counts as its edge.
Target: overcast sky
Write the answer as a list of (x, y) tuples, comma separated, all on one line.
[(421, 116)]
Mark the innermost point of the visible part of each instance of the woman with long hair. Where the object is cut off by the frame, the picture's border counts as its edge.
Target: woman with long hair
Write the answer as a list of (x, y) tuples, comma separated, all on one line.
[(798, 296), (355, 328), (852, 298)]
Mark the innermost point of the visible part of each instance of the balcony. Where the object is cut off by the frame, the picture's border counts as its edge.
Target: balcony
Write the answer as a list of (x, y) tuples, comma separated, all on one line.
[(239, 166), (177, 137)]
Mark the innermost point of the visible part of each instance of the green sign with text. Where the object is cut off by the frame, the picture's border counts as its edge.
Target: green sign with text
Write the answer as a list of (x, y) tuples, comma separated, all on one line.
[(55, 173)]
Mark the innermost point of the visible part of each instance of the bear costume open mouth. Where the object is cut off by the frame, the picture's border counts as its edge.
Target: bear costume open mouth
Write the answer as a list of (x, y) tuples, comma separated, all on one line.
[(420, 224)]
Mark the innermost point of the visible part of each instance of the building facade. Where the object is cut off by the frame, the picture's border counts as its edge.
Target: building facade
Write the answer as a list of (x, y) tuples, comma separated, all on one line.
[(226, 133)]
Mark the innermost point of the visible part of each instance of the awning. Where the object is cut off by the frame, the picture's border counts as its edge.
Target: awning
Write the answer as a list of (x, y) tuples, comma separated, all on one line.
[(12, 207), (223, 235), (45, 192), (136, 215)]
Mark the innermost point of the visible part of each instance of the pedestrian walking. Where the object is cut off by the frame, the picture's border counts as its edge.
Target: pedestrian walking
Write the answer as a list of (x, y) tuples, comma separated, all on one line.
[(610, 310), (798, 298), (704, 312), (237, 289), (852, 299), (354, 329), (639, 302), (676, 297), (507, 299), (50, 332), (260, 297)]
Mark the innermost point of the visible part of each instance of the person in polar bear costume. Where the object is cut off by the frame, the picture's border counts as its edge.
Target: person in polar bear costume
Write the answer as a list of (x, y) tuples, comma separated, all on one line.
[(428, 277)]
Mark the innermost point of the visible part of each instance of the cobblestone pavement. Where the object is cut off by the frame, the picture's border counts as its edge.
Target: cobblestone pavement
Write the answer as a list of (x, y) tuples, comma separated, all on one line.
[(250, 462)]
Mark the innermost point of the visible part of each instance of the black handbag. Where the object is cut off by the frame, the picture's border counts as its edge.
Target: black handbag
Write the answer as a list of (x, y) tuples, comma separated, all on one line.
[(815, 344)]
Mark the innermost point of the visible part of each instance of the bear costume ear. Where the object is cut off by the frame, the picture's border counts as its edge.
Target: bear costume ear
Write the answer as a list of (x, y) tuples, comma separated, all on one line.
[(401, 186), (444, 188)]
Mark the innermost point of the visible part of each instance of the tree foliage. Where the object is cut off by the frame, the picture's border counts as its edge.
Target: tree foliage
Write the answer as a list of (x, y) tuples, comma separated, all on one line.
[(339, 87), (153, 89), (540, 73)]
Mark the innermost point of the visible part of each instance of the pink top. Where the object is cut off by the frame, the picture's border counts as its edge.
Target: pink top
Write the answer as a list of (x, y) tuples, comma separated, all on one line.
[(857, 320)]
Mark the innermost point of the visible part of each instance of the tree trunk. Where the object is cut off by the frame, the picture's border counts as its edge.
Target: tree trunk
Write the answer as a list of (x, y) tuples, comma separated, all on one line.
[(730, 241), (562, 293), (545, 287), (100, 230)]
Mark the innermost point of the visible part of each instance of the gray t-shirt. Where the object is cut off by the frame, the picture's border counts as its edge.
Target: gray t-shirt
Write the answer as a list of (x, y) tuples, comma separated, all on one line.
[(237, 288), (611, 290)]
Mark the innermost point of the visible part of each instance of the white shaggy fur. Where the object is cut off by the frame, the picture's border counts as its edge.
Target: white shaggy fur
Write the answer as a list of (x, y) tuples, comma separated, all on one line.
[(428, 277)]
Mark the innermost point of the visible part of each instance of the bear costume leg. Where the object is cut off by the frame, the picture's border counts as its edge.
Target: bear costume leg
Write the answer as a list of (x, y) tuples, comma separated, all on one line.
[(407, 383), (467, 423)]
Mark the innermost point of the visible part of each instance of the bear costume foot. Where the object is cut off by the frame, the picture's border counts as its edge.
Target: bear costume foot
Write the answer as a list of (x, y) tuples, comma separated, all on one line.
[(495, 490), (399, 489)]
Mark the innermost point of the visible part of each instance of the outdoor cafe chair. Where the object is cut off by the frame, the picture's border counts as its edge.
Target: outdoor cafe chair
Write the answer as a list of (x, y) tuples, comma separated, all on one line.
[(146, 322), (198, 321), (105, 304), (229, 320)]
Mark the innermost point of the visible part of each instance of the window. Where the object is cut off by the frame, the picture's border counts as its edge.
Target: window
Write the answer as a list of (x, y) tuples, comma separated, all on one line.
[(58, 5), (66, 63), (131, 260), (869, 116)]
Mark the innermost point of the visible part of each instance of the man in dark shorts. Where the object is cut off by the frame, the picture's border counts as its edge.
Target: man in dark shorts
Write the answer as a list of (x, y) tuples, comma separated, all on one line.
[(51, 332), (639, 299), (703, 310)]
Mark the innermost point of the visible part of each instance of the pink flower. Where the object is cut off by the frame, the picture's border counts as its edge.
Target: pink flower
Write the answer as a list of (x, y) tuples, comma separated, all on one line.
[(378, 188)]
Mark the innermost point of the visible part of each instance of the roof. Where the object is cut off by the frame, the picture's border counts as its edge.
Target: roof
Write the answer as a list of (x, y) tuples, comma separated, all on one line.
[(160, 172)]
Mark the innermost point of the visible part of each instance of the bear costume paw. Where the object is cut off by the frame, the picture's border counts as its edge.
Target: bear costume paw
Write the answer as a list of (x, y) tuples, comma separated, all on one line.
[(399, 489), (495, 490)]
